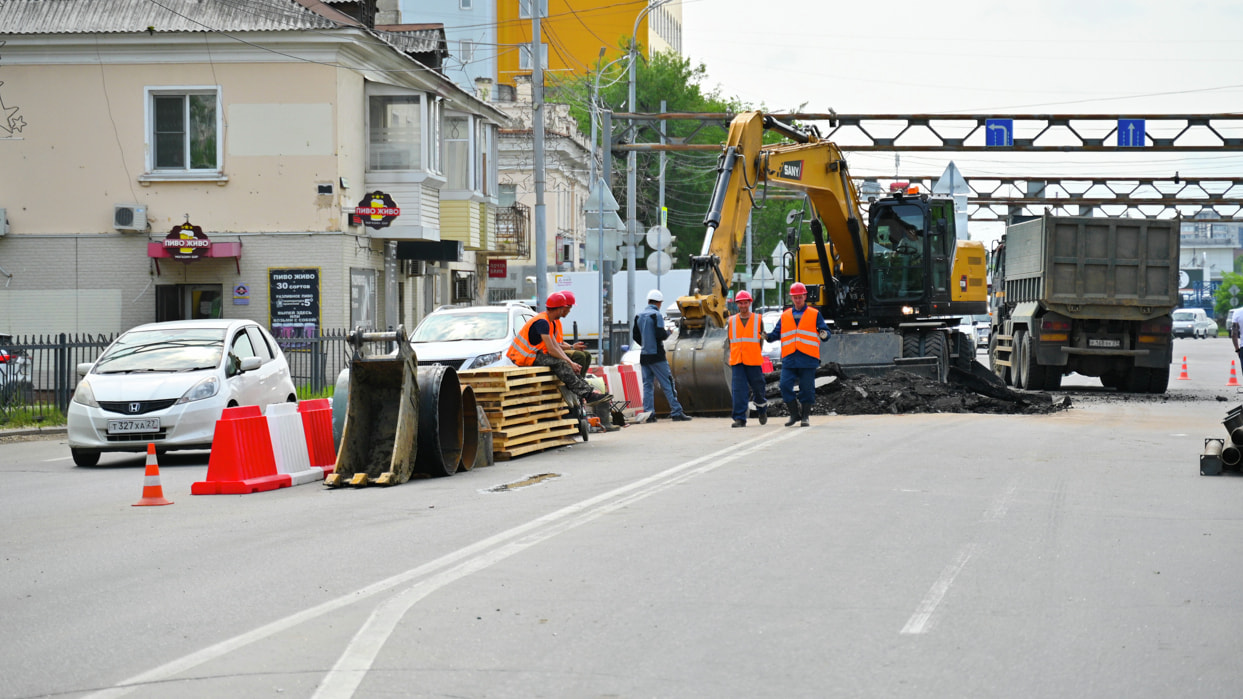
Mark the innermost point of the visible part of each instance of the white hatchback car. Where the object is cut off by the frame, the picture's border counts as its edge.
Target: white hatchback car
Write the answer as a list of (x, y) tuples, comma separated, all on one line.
[(469, 337), (167, 384)]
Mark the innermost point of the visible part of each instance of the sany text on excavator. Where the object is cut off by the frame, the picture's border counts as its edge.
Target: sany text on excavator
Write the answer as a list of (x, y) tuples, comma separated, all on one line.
[(888, 286)]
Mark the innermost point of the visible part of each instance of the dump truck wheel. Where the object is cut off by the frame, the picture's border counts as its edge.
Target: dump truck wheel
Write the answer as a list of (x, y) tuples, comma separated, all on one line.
[(1033, 373), (1158, 380), (1002, 371), (1018, 362)]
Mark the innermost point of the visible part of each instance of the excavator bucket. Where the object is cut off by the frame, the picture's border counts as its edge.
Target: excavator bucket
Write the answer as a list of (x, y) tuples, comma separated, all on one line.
[(700, 366), (379, 437)]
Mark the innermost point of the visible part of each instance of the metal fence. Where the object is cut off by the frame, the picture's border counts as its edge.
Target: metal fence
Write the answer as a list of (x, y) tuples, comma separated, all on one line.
[(38, 373)]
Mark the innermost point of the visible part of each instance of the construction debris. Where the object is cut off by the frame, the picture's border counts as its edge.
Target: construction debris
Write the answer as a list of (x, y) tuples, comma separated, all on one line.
[(901, 392)]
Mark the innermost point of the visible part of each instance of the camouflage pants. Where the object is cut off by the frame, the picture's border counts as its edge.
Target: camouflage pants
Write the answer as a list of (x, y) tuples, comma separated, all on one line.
[(581, 358), (565, 372)]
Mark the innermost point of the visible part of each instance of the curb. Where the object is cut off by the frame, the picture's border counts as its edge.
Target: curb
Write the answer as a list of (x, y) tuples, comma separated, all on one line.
[(32, 431)]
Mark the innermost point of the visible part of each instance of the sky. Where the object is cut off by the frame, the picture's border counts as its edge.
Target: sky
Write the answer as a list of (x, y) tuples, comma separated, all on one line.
[(1099, 57)]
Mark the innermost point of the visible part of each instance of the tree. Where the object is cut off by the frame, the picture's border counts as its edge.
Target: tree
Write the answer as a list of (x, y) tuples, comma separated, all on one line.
[(690, 176), (1221, 299)]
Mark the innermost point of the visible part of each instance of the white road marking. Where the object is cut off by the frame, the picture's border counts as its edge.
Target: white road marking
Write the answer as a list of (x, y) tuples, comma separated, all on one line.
[(59, 458), (358, 656), (921, 620), (1001, 505)]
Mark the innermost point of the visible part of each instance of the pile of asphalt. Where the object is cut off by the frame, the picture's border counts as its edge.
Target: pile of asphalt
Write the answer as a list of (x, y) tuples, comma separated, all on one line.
[(900, 392)]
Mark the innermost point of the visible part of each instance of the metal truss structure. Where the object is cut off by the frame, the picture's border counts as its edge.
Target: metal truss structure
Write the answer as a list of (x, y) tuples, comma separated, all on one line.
[(996, 198)]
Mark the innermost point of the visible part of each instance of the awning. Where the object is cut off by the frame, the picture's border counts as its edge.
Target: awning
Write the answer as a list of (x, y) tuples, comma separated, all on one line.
[(156, 250), (430, 250)]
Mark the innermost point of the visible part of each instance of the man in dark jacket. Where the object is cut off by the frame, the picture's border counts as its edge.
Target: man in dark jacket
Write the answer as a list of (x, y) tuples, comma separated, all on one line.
[(650, 333)]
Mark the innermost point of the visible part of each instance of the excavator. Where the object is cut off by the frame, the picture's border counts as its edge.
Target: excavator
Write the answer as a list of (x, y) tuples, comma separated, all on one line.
[(890, 287)]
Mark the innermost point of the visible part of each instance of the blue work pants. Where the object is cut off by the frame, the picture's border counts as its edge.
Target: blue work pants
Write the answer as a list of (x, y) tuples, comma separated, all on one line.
[(660, 372), (806, 380), (746, 380)]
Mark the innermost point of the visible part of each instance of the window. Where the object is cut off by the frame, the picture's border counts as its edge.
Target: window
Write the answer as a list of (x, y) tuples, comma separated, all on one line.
[(524, 8), (466, 50), (396, 130), (508, 195), (457, 152), (524, 56), (260, 343), (466, 4), (184, 129)]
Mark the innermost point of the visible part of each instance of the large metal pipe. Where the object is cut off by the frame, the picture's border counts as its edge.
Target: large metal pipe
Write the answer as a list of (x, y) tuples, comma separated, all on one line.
[(1210, 460), (1231, 455), (440, 421), (470, 427)]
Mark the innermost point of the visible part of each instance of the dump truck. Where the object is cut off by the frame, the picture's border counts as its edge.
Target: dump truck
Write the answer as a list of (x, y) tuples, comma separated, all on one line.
[(1088, 295)]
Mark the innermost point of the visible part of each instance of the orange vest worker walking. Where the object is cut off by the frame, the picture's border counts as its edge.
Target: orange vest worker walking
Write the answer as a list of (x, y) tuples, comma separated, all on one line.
[(746, 335), (800, 331)]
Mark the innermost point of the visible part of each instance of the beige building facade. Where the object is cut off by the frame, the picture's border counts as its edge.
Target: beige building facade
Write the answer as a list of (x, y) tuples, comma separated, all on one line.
[(154, 167)]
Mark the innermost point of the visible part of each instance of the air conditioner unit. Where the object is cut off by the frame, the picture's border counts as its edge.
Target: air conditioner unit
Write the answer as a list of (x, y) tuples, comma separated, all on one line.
[(129, 217)]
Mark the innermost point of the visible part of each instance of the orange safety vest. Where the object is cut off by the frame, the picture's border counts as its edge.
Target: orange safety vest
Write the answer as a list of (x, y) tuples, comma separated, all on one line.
[(521, 351), (803, 337), (744, 341)]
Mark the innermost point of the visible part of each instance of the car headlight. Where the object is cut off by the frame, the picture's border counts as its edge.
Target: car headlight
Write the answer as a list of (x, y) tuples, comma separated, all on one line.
[(486, 359), (84, 395), (206, 388)]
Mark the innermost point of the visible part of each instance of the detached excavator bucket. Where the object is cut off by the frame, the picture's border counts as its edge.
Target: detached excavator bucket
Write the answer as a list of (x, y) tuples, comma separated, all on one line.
[(701, 371), (380, 435)]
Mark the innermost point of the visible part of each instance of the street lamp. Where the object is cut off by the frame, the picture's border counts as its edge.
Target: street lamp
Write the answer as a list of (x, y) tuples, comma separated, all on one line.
[(632, 164)]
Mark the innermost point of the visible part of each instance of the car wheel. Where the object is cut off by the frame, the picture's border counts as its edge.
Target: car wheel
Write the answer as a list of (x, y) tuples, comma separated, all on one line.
[(82, 457)]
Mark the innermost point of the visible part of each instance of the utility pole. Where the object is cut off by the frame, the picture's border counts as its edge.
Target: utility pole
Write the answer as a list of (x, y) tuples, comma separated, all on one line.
[(537, 134), (661, 200)]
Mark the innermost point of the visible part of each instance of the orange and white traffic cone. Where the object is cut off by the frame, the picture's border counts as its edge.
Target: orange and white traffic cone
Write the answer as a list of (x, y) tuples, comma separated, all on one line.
[(1234, 378), (1183, 376), (152, 491)]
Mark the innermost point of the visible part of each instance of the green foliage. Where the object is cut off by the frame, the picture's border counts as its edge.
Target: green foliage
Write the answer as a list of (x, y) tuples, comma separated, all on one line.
[(1221, 299), (31, 416), (305, 392)]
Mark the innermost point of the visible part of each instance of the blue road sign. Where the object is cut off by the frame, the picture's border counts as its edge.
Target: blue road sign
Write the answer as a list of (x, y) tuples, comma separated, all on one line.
[(999, 133), (1130, 133)]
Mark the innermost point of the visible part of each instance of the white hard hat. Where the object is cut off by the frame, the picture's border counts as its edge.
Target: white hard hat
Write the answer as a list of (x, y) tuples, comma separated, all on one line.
[(655, 295)]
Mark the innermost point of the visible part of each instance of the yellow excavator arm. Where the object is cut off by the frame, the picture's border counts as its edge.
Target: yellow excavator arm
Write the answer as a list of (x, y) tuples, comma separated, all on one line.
[(746, 167)]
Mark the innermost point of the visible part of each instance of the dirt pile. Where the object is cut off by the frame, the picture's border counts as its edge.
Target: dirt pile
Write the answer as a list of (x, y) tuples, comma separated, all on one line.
[(897, 391)]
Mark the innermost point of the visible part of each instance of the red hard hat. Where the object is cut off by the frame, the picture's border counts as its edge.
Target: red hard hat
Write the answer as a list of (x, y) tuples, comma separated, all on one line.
[(556, 300), (797, 289), (569, 297), (742, 296)]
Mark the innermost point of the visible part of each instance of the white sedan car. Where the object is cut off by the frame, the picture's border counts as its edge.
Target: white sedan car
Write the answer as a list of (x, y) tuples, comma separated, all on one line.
[(167, 384)]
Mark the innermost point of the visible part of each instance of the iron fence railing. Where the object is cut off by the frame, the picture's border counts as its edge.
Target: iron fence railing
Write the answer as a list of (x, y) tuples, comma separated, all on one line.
[(38, 373)]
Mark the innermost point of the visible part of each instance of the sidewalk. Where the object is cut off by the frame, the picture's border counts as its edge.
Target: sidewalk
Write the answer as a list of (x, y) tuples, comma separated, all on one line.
[(20, 432)]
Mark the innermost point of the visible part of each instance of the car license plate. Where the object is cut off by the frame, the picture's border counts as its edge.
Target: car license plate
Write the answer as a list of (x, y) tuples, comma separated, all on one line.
[(1107, 344), (151, 424)]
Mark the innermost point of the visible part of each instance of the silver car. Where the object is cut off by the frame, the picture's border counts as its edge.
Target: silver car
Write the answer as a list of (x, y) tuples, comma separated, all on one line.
[(167, 383)]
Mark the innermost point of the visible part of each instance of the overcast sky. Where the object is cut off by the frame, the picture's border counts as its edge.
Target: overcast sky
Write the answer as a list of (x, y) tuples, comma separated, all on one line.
[(976, 57)]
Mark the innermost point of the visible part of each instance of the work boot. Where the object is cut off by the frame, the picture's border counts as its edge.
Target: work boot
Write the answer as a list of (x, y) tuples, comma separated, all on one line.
[(793, 408), (762, 415), (681, 417), (596, 397), (806, 414), (738, 423)]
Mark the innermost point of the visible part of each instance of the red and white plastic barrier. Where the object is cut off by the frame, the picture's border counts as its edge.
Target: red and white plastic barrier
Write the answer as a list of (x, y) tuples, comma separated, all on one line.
[(253, 452)]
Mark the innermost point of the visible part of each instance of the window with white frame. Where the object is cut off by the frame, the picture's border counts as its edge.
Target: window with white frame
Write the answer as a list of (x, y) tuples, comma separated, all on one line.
[(395, 130), (435, 117), (524, 8), (483, 157), (466, 4), (184, 129), (524, 56), (457, 152), (508, 195), (466, 50)]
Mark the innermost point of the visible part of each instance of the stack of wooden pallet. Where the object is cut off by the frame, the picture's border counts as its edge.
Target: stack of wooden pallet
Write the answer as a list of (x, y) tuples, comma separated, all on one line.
[(524, 406)]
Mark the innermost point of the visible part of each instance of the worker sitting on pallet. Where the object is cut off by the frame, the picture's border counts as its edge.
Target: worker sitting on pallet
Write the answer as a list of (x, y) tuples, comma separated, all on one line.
[(577, 353), (540, 343)]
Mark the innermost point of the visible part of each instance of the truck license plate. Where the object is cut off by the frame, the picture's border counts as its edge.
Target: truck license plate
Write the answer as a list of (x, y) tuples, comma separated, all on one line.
[(151, 424), (1107, 344)]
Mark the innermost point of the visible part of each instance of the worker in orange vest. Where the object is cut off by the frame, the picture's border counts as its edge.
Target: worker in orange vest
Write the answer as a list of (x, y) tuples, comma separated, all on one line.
[(540, 343), (800, 331), (746, 333)]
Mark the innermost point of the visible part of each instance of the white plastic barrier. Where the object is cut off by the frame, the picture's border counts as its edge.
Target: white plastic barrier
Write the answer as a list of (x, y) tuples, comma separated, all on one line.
[(289, 443)]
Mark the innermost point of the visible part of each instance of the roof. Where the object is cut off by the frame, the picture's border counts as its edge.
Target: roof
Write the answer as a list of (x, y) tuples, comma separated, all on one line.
[(124, 16)]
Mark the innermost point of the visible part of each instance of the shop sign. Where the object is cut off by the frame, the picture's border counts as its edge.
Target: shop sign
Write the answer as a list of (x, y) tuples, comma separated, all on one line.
[(294, 298), (498, 269), (377, 210), (187, 242)]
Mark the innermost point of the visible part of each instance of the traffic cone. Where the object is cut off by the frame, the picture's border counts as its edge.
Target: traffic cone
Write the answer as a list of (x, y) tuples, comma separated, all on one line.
[(152, 491), (1234, 378), (1183, 376)]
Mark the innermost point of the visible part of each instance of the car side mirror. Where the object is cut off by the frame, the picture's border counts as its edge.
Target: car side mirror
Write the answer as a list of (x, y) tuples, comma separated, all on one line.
[(250, 364), (85, 368)]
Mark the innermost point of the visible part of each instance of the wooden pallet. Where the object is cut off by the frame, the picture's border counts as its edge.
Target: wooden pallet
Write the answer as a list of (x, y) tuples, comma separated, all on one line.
[(525, 407)]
